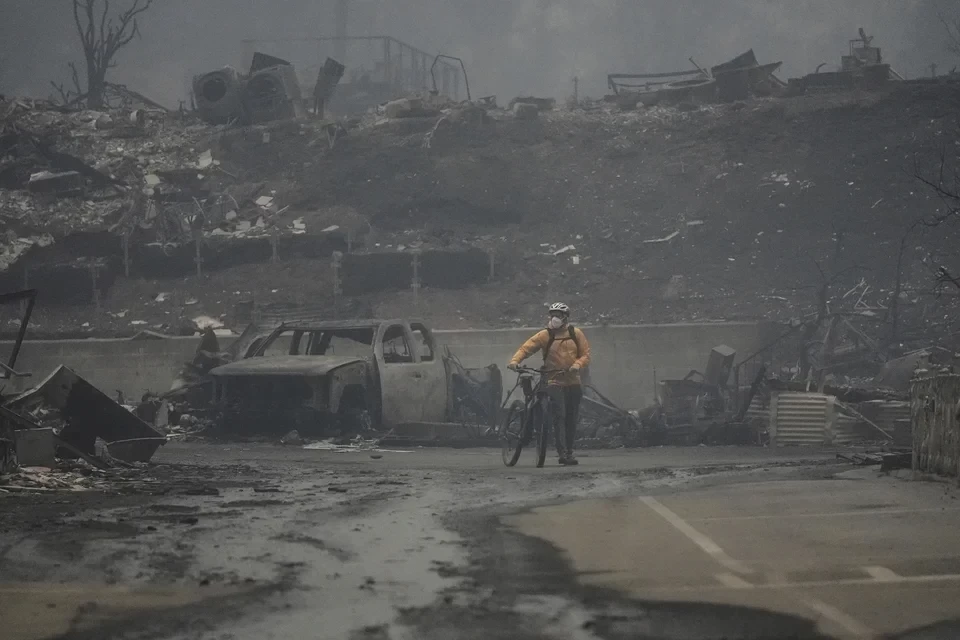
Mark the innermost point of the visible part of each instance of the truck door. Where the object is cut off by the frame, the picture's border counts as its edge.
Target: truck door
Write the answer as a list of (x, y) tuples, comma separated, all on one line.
[(434, 380), (401, 375)]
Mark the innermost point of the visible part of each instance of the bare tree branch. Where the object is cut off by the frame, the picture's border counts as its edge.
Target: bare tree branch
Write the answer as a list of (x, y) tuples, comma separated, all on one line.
[(951, 25), (102, 37)]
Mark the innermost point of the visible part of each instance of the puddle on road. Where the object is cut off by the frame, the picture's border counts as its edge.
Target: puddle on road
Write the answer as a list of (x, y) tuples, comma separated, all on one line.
[(36, 611)]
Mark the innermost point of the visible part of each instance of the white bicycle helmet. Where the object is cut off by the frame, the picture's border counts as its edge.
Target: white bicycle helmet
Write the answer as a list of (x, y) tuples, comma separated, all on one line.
[(559, 307)]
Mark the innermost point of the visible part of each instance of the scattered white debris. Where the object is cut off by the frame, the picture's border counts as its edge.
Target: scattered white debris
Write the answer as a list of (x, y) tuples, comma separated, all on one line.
[(151, 180), (231, 215), (357, 446), (299, 226), (576, 259), (664, 239), (204, 322), (138, 322), (264, 201), (206, 159), (161, 297), (564, 250), (695, 223), (190, 301), (331, 228)]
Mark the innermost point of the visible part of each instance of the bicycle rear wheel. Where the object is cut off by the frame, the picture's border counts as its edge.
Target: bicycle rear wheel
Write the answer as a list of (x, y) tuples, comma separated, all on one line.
[(542, 417), (511, 433)]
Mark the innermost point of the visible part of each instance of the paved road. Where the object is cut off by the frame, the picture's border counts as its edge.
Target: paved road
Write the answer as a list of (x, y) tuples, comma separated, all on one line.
[(861, 554), (256, 541)]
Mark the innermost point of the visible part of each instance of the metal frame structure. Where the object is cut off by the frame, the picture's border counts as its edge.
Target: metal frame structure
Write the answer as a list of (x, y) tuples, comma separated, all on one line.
[(402, 66)]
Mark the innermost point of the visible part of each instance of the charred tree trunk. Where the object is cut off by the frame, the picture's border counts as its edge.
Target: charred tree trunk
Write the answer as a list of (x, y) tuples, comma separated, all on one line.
[(102, 37), (96, 85)]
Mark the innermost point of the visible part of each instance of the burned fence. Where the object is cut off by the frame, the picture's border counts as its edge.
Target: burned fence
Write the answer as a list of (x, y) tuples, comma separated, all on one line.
[(934, 403), (68, 277)]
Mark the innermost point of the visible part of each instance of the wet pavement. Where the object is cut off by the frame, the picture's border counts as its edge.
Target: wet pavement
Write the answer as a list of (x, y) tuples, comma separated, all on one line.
[(261, 541), (861, 555)]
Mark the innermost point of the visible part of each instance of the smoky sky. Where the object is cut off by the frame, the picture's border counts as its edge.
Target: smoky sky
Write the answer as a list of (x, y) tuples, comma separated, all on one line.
[(510, 47)]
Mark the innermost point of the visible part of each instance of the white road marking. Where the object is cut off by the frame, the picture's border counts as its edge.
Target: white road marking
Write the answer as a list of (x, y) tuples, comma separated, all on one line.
[(850, 625), (710, 547), (947, 577), (828, 514), (854, 627), (881, 574), (732, 581)]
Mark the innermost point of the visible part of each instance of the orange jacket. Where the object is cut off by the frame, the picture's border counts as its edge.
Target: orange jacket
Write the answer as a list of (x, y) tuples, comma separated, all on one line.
[(563, 353)]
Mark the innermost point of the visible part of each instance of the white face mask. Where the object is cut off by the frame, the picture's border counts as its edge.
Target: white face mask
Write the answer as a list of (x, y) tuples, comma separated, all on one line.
[(555, 322)]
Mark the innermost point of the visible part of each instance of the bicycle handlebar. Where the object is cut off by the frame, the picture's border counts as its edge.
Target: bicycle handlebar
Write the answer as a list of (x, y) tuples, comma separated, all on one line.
[(540, 371)]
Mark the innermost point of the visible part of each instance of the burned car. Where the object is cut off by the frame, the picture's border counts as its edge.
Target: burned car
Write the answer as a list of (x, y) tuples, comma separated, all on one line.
[(342, 376)]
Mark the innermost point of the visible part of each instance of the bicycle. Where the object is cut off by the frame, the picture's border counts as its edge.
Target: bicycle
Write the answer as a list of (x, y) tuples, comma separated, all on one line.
[(528, 418)]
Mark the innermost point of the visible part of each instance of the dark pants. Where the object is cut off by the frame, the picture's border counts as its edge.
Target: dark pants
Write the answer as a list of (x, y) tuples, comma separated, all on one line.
[(565, 413)]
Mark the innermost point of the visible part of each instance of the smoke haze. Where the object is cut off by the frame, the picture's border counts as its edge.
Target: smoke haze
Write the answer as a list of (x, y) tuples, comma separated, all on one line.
[(510, 46)]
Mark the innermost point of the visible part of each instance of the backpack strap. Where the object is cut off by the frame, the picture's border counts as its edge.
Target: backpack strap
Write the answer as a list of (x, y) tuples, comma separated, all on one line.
[(553, 337)]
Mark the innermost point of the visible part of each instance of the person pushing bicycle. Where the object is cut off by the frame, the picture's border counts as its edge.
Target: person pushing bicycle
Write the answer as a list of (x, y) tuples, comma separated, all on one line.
[(565, 349)]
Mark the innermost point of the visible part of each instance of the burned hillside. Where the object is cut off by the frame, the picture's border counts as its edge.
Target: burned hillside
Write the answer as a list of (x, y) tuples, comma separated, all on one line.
[(147, 219)]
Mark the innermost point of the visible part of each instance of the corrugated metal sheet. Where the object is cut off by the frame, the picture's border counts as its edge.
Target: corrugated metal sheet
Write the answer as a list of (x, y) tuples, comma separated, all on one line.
[(845, 429), (801, 418), (759, 410), (887, 413)]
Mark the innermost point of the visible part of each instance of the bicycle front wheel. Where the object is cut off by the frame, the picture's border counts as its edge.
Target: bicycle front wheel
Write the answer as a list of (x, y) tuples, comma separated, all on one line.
[(542, 418), (511, 433)]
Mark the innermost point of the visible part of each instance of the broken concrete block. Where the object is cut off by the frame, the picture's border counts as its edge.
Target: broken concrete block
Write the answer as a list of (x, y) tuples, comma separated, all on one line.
[(34, 447), (542, 104), (46, 182), (402, 108), (292, 438), (525, 111)]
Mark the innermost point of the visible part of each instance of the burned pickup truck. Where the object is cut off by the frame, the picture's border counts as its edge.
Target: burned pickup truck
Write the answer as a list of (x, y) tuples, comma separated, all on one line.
[(349, 376)]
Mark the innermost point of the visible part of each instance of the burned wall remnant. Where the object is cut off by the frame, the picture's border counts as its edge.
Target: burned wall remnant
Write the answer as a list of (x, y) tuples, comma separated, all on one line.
[(371, 272), (934, 404)]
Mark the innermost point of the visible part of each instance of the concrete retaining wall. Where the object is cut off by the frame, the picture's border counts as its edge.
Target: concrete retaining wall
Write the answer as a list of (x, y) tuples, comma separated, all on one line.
[(626, 359)]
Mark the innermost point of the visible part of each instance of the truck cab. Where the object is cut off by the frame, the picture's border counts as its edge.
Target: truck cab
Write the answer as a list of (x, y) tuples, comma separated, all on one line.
[(316, 376)]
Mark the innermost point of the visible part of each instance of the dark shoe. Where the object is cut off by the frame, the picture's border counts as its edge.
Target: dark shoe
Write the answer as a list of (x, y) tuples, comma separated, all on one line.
[(562, 461), (571, 461)]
